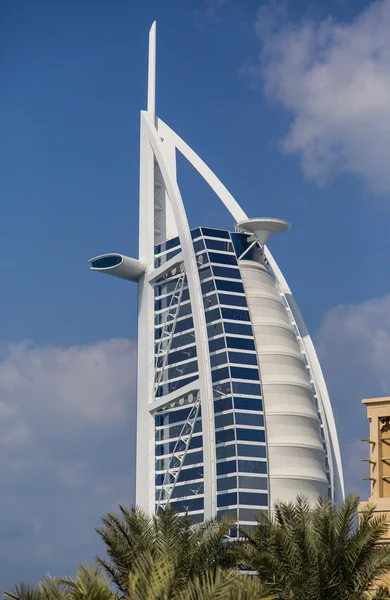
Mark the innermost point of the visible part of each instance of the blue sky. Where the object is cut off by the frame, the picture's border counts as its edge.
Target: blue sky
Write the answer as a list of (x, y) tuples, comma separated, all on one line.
[(288, 104)]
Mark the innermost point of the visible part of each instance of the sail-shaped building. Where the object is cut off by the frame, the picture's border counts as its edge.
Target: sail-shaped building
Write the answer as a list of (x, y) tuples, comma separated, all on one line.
[(232, 407)]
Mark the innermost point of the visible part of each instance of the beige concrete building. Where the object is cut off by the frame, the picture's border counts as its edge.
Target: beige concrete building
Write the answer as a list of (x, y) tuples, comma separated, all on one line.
[(378, 456)]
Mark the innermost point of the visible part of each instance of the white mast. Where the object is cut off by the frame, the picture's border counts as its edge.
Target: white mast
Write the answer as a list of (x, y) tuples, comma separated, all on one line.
[(152, 74)]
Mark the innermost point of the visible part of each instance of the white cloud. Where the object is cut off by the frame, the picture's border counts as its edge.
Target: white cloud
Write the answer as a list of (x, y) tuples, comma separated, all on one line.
[(334, 78), (67, 420), (354, 348), (90, 382)]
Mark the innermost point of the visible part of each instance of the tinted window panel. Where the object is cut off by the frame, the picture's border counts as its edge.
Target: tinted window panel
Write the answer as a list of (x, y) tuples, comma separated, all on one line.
[(183, 369), (253, 499), (172, 417), (174, 432), (198, 518), (202, 259), (221, 389), (214, 329), (195, 233), (183, 340), (224, 420), (232, 300), (218, 359), (181, 491), (215, 233), (227, 499), (167, 388), (222, 405), (225, 435), (249, 419), (199, 245), (193, 458), (229, 286), (226, 451), (234, 314), (166, 245), (248, 404), (217, 344), (224, 259), (251, 450), (253, 483), (180, 355), (208, 286), (190, 474), (238, 329), (249, 514), (219, 245), (232, 514), (187, 505), (220, 374), (184, 324), (240, 343), (251, 435), (169, 447), (213, 315), (209, 301), (246, 388), (226, 272), (205, 273), (241, 358), (242, 373), (226, 483), (227, 467), (252, 466)]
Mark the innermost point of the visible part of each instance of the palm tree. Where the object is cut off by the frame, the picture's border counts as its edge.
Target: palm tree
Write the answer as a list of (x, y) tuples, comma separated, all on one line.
[(167, 558), (318, 553), (90, 583)]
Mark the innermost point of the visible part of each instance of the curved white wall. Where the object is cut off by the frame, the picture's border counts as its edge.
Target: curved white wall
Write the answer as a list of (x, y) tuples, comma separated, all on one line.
[(296, 456)]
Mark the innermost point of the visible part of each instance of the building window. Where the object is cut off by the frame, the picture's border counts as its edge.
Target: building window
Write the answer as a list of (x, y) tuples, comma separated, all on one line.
[(241, 358), (248, 404), (246, 389), (227, 272), (252, 466), (229, 286), (249, 419), (220, 374), (252, 450), (253, 499), (243, 373), (227, 499), (217, 344), (232, 300), (251, 435), (240, 343), (226, 451), (252, 483), (220, 233), (226, 467), (223, 259), (238, 329), (225, 435), (226, 483), (219, 245)]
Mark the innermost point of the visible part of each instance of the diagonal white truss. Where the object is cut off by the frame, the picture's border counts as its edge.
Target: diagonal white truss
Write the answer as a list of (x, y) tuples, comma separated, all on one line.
[(178, 455)]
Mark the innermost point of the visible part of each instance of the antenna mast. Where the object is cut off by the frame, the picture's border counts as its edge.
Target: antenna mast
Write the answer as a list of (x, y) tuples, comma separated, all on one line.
[(152, 74)]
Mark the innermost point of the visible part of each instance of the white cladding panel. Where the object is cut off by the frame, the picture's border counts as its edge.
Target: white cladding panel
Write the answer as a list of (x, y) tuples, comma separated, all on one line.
[(296, 455)]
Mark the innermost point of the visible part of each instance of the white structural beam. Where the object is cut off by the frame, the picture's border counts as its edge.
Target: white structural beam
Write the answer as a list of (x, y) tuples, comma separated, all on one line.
[(206, 390)]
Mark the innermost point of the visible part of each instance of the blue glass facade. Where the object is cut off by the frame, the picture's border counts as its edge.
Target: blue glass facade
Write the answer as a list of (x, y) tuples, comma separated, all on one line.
[(240, 442)]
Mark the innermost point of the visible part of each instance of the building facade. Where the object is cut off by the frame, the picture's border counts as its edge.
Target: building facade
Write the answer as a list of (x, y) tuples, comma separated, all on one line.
[(378, 457), (232, 407)]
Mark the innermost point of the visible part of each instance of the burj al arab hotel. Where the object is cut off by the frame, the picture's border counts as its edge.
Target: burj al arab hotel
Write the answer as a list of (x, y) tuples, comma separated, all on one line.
[(233, 413)]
